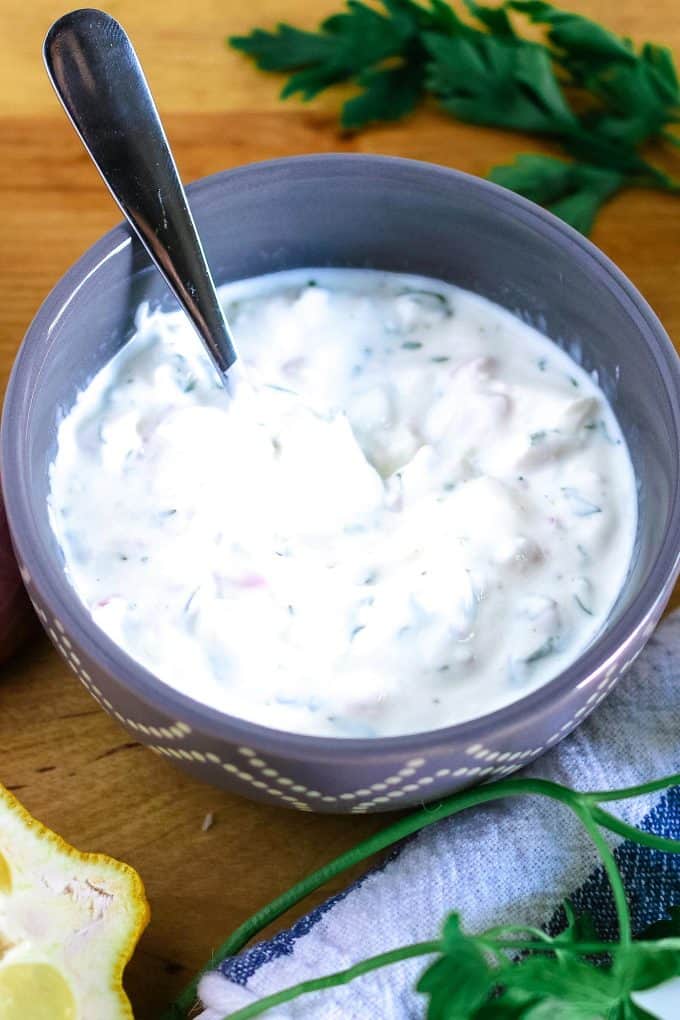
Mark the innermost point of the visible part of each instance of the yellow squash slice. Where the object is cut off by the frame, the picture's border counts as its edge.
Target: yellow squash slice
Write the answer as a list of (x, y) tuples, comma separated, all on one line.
[(68, 924)]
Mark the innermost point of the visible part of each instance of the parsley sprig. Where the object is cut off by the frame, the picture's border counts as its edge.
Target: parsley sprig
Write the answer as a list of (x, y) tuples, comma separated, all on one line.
[(583, 87), (510, 971)]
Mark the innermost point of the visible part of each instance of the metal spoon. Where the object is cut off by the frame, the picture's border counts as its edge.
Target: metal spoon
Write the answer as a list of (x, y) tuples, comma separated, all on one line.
[(98, 78)]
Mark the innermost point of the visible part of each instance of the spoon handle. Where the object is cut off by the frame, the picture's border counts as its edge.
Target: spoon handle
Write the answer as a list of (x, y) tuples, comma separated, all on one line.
[(98, 78)]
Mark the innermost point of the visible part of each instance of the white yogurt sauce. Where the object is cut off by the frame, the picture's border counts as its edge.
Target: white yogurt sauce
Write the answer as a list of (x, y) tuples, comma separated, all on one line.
[(439, 526)]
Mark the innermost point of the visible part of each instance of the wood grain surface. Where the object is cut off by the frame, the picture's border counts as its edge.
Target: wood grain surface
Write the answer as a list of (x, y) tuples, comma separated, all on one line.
[(70, 764)]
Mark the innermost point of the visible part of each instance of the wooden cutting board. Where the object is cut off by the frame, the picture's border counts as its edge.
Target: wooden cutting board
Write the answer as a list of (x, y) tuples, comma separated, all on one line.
[(70, 764)]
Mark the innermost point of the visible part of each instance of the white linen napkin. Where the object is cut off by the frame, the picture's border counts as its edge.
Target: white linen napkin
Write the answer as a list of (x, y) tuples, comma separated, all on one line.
[(511, 861)]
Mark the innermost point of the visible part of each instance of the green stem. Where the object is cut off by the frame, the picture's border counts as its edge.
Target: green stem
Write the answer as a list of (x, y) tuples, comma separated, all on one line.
[(614, 824), (399, 830), (343, 977), (615, 880), (340, 977), (580, 803), (628, 792)]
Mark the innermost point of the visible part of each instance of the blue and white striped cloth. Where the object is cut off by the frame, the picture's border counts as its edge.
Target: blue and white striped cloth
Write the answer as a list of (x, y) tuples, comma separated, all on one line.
[(512, 861)]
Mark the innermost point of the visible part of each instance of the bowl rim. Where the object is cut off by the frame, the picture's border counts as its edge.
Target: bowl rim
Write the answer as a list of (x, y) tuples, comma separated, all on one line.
[(50, 579)]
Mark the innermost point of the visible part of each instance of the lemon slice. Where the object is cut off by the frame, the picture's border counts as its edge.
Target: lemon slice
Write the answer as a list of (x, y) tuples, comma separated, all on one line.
[(68, 924)]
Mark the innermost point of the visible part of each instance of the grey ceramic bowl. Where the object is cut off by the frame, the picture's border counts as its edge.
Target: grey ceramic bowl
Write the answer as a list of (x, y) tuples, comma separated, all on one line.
[(388, 214)]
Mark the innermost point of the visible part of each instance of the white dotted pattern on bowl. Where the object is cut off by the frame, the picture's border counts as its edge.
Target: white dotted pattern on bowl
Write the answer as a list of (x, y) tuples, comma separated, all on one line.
[(261, 776), (256, 771)]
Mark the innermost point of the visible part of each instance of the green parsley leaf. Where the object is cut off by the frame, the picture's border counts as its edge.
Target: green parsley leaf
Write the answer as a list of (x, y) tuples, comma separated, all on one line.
[(636, 93), (387, 95), (635, 106), (580, 928), (554, 1009), (649, 964), (460, 980), (573, 191), (498, 81), (285, 49), (494, 18), (659, 59), (346, 45), (511, 1004), (591, 90), (667, 928), (588, 991), (574, 36), (631, 1011)]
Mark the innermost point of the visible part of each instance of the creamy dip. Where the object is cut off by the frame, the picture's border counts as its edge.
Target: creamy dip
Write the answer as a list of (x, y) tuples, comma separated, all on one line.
[(422, 511)]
